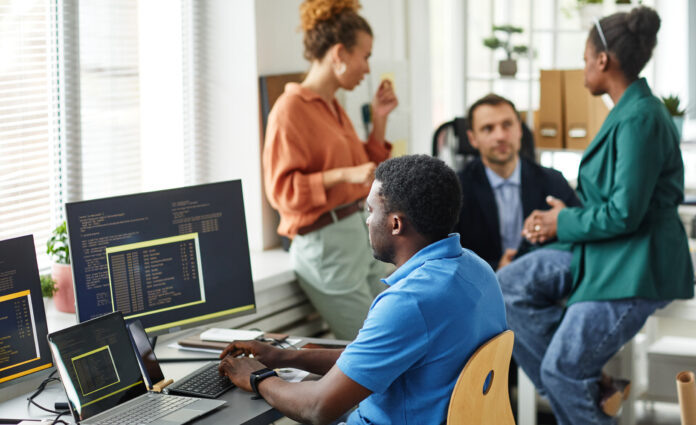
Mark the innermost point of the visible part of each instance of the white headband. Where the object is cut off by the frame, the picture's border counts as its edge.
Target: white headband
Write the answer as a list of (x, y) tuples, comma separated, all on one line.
[(601, 33)]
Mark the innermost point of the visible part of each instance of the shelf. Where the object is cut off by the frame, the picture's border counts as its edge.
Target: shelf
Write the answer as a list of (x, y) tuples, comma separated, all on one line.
[(520, 78)]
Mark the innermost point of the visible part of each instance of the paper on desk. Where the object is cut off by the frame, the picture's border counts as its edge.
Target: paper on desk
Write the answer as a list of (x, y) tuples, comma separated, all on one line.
[(292, 375), (686, 390), (176, 346), (229, 335)]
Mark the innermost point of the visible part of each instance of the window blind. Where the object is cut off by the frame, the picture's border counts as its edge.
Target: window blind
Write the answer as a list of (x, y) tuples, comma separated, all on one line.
[(110, 155), (29, 113)]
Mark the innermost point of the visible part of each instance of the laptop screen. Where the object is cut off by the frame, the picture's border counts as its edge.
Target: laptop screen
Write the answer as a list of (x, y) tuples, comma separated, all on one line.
[(97, 365), (149, 365)]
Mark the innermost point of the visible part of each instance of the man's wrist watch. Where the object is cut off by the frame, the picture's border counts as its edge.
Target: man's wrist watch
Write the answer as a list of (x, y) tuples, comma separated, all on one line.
[(256, 377)]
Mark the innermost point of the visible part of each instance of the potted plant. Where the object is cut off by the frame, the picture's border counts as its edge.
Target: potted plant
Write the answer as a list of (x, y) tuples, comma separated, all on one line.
[(589, 9), (48, 286), (672, 103), (59, 251), (623, 5), (506, 67)]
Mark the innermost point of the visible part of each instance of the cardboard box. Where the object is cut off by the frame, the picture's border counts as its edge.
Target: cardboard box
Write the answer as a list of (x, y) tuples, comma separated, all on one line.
[(549, 131), (584, 113)]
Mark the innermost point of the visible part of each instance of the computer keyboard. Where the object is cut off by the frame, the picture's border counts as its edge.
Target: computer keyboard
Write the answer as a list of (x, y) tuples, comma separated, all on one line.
[(152, 408), (204, 382)]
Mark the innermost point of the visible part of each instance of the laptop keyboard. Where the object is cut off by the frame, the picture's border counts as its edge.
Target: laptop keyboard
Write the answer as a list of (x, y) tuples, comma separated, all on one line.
[(205, 383), (152, 408)]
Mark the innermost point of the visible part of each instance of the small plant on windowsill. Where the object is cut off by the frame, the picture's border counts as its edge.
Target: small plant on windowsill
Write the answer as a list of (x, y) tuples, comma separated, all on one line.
[(672, 102), (506, 67), (48, 286), (58, 249)]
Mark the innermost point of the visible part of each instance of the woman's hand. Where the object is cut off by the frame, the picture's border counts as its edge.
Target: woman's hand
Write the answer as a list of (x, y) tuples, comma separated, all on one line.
[(363, 173), (384, 100), (541, 226)]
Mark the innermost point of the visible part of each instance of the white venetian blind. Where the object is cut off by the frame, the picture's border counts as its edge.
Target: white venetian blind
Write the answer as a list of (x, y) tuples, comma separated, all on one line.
[(29, 112), (109, 98), (137, 118)]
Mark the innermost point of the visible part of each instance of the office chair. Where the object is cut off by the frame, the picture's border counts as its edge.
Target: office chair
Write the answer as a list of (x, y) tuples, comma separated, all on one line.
[(480, 395), (451, 144)]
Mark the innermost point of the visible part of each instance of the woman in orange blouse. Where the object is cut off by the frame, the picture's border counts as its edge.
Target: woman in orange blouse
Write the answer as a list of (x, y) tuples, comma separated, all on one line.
[(317, 171)]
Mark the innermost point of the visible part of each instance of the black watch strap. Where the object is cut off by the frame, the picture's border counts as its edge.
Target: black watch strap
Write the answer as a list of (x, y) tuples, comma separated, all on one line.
[(256, 377)]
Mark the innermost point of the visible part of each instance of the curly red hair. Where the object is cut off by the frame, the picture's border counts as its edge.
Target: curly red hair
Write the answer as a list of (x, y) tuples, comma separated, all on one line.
[(329, 22)]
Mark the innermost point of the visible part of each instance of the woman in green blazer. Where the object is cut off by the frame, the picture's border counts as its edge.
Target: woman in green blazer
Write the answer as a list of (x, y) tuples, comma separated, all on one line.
[(620, 256)]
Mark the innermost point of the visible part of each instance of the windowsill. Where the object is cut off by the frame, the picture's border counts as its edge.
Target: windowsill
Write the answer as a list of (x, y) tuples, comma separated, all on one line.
[(271, 268)]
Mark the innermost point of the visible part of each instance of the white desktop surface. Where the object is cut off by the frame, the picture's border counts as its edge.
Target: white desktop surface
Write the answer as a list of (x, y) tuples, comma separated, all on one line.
[(269, 269)]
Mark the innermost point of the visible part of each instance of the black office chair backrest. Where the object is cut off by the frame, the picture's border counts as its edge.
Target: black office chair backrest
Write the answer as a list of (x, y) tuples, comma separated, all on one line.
[(451, 144)]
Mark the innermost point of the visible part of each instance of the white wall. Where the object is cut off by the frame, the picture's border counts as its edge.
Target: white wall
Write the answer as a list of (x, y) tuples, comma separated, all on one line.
[(231, 101)]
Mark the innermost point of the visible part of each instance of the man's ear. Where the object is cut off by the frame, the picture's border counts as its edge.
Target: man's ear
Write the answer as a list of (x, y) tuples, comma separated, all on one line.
[(397, 224), (472, 140)]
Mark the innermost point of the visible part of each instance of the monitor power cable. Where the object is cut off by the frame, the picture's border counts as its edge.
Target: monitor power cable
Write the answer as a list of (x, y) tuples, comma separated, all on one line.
[(39, 390)]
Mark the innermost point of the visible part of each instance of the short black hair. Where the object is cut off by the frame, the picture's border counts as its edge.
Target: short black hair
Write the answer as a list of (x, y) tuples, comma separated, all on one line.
[(423, 188), (491, 99), (631, 38)]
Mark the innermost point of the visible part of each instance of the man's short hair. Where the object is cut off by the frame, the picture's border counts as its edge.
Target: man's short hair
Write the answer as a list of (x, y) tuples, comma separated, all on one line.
[(423, 188), (491, 99)]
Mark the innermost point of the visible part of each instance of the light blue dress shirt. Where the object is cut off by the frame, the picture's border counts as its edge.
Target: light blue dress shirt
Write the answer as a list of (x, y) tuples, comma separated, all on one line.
[(508, 198)]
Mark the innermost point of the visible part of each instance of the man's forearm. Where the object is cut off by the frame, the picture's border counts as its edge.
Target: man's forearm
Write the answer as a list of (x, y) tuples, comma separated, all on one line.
[(300, 401), (317, 361)]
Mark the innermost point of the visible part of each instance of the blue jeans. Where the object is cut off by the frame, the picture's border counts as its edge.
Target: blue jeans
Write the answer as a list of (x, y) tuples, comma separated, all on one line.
[(563, 350)]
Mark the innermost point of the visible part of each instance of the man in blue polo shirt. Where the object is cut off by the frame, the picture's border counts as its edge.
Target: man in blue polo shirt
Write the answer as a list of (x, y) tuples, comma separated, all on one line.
[(443, 302)]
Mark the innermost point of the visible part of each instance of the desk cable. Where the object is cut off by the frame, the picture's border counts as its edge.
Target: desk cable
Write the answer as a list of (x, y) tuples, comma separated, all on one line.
[(39, 390)]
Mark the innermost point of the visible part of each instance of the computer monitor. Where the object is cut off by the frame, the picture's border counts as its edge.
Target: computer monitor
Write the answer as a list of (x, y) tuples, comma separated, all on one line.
[(23, 347), (172, 258)]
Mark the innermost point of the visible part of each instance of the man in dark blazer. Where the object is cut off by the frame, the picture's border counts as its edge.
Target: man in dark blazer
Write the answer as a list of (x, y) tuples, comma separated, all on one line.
[(501, 188)]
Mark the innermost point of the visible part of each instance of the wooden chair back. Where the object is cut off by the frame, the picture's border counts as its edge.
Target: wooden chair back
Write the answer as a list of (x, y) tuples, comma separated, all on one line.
[(480, 395)]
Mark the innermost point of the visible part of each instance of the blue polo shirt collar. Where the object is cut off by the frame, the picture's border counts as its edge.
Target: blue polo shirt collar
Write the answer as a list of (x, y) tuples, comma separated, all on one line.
[(496, 181), (445, 248)]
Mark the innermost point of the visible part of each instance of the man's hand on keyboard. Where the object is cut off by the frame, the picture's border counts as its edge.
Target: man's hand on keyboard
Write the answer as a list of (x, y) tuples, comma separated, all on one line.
[(263, 352), (238, 370)]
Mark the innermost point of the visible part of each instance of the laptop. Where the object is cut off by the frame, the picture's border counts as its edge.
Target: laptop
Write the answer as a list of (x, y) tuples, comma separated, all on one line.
[(205, 381), (103, 383)]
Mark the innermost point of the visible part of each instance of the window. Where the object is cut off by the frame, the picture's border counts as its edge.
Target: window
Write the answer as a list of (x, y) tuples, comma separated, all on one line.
[(91, 105), (30, 142)]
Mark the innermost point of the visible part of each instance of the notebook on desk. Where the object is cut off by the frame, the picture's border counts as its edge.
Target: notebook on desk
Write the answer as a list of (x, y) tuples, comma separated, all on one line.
[(103, 382)]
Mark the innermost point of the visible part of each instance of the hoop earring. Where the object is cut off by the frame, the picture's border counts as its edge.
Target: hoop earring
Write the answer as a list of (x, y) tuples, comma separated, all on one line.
[(340, 68)]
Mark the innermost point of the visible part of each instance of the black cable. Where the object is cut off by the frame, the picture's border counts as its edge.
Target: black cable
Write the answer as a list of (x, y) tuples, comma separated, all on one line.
[(39, 390), (57, 419)]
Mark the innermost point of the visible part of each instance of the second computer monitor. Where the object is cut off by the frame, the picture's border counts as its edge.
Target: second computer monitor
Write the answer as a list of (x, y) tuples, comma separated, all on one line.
[(23, 328), (172, 258)]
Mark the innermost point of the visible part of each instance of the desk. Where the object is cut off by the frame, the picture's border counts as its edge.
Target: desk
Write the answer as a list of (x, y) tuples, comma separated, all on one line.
[(274, 286), (240, 407)]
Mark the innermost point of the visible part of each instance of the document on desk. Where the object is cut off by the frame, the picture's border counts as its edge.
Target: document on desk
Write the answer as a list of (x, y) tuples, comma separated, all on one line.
[(292, 375), (229, 335), (178, 346)]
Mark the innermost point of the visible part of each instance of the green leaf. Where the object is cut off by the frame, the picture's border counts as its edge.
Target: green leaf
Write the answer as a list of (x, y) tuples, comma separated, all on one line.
[(57, 245), (492, 42), (672, 103), (48, 286), (510, 29)]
